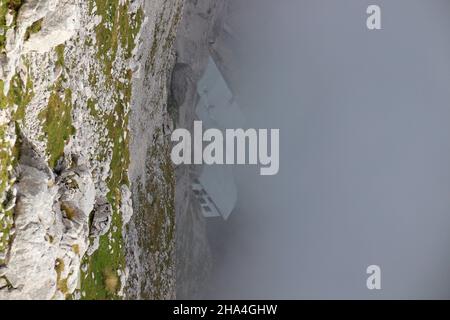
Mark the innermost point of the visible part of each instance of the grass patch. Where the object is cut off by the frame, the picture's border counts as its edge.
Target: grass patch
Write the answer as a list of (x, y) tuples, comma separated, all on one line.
[(110, 257), (118, 28), (60, 55), (34, 28), (57, 116), (57, 122)]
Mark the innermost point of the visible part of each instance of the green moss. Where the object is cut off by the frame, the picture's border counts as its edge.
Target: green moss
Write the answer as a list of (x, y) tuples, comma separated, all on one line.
[(3, 98), (21, 97), (34, 28), (118, 27), (57, 122), (129, 27), (60, 55)]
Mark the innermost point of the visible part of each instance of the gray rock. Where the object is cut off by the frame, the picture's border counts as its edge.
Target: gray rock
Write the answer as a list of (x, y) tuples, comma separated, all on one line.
[(126, 204), (60, 20), (181, 80), (51, 228), (31, 263), (3, 283), (102, 218)]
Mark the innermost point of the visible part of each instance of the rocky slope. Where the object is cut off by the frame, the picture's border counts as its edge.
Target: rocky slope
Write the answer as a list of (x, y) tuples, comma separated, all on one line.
[(86, 185), (201, 34)]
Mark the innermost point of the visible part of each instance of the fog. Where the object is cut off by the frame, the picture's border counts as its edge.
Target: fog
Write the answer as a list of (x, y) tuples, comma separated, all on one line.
[(364, 119)]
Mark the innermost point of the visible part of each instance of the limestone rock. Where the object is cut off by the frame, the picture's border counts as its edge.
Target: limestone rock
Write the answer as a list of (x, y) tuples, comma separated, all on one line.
[(126, 205), (58, 26), (59, 21), (76, 202), (102, 218), (51, 236), (31, 259)]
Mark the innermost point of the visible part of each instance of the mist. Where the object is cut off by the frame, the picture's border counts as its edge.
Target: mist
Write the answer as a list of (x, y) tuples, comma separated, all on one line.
[(364, 173)]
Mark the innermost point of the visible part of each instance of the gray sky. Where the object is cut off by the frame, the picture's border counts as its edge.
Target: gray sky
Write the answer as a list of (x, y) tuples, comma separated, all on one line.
[(364, 177)]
